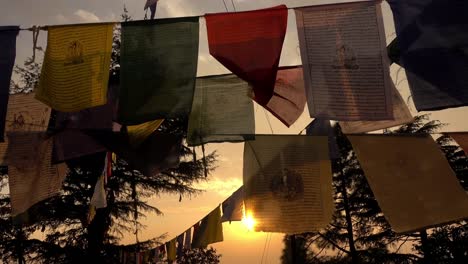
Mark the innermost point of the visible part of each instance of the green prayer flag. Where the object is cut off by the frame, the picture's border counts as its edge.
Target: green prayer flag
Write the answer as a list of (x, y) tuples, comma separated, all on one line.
[(158, 69)]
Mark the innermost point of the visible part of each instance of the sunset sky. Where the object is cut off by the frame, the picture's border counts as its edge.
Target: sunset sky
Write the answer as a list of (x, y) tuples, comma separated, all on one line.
[(240, 245)]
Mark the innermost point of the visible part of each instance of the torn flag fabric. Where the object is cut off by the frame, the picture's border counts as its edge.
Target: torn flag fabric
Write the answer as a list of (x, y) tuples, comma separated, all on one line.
[(210, 230), (158, 69), (401, 116), (346, 67), (7, 61), (289, 99), (32, 177), (288, 183), (171, 250), (411, 179), (137, 134), (75, 72), (188, 239), (24, 114), (249, 44), (434, 50), (180, 245), (233, 206), (222, 111)]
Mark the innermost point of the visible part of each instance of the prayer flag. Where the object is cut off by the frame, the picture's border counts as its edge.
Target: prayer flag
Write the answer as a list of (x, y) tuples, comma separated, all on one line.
[(433, 44), (346, 68), (401, 115), (157, 153), (171, 250), (288, 183), (411, 180), (24, 114), (180, 245), (158, 69), (222, 111), (70, 141), (31, 175), (249, 44), (210, 230), (233, 206), (137, 134), (188, 238), (462, 140), (288, 101), (76, 65), (7, 61)]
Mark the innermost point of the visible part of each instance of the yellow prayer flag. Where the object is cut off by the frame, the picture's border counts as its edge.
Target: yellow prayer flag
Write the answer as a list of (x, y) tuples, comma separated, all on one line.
[(411, 180), (138, 133), (171, 250), (75, 73), (210, 230)]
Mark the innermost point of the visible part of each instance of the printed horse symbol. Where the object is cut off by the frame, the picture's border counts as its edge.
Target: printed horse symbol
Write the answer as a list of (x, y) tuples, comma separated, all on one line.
[(74, 53), (345, 58)]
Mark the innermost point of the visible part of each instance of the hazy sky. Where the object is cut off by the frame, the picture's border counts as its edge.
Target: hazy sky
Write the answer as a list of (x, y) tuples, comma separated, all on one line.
[(239, 246)]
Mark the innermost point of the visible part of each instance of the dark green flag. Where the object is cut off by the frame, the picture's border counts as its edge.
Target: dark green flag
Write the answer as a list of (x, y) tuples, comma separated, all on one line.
[(158, 69)]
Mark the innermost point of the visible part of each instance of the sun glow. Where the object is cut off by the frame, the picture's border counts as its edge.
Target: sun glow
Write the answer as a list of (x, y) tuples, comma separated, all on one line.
[(249, 221)]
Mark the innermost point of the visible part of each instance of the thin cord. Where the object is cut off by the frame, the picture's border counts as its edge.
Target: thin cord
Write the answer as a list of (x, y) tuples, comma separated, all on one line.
[(225, 6), (264, 247), (232, 2)]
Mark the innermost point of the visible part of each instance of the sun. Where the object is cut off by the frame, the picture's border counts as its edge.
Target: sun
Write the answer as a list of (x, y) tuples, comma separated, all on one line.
[(249, 221)]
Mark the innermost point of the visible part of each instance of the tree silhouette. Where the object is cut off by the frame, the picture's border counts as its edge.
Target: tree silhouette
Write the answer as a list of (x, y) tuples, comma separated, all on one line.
[(63, 220)]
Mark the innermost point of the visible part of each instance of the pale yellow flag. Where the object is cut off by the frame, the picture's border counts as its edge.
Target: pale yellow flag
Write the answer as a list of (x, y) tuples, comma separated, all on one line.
[(24, 113), (31, 175), (411, 180), (288, 183), (75, 72), (138, 133)]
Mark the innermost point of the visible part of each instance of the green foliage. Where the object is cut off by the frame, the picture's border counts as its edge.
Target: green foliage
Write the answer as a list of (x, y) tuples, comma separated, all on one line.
[(199, 255)]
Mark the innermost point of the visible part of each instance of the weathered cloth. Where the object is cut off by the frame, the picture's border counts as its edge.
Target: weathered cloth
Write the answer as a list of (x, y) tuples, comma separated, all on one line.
[(411, 180), (233, 206), (222, 111), (323, 127), (7, 61), (210, 230), (158, 69), (249, 44), (288, 183), (75, 72), (346, 68), (171, 250), (434, 50)]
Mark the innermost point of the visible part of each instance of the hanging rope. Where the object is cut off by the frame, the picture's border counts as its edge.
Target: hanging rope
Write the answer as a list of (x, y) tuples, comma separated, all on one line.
[(225, 6), (232, 2), (35, 30)]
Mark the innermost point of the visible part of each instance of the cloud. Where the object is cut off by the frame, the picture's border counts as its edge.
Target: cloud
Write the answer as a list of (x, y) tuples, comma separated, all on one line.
[(223, 187), (86, 16)]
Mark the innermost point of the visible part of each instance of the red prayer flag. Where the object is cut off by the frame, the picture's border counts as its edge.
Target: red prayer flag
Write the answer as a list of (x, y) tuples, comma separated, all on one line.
[(249, 44)]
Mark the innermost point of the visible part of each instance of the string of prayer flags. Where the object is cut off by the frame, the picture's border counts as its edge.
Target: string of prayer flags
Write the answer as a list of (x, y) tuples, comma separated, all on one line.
[(75, 72), (171, 250), (180, 245), (210, 230), (188, 239), (432, 40), (249, 44), (222, 111), (70, 141), (32, 177), (401, 115), (323, 127), (288, 100), (461, 138), (411, 179), (157, 153), (137, 134), (233, 206), (158, 69), (24, 114), (288, 183), (7, 61), (346, 68)]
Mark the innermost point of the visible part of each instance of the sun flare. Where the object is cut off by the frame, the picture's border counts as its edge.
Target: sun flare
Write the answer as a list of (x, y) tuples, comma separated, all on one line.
[(249, 221)]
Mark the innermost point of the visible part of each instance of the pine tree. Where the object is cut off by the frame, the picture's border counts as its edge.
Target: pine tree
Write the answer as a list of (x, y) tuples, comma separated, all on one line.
[(63, 219)]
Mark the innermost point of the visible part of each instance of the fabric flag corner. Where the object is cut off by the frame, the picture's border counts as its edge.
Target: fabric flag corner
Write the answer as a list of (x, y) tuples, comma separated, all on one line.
[(249, 44)]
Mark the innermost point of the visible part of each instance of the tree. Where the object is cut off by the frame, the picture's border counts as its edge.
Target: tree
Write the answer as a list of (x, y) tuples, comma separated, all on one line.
[(62, 219), (359, 232), (199, 255)]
